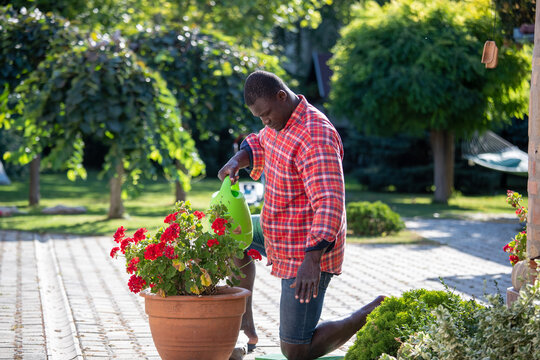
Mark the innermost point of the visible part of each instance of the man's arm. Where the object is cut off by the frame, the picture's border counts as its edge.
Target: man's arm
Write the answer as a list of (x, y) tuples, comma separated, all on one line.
[(322, 174), (239, 161)]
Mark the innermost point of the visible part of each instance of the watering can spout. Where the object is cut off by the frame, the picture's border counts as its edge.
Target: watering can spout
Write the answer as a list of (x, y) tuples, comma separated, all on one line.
[(231, 196)]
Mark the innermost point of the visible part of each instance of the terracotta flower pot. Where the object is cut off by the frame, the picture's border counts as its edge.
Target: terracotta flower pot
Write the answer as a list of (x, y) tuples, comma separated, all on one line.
[(196, 327), (524, 271)]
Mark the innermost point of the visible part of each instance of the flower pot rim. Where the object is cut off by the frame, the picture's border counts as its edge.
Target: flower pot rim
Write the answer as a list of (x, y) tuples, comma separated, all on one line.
[(222, 293)]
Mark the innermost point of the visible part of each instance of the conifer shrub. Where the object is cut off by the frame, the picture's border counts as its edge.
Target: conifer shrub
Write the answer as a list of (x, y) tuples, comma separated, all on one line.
[(372, 219)]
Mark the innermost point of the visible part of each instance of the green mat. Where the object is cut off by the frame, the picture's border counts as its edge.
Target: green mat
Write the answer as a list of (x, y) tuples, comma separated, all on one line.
[(281, 357)]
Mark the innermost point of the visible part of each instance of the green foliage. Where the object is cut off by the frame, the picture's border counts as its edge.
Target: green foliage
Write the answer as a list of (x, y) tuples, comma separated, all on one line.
[(499, 332), (101, 89), (372, 219), (26, 37), (398, 317), (206, 76), (249, 22), (414, 65), (256, 209), (231, 17), (514, 13), (188, 257)]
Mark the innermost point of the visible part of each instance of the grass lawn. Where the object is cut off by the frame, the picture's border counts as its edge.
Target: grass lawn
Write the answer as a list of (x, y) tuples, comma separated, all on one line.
[(156, 199)]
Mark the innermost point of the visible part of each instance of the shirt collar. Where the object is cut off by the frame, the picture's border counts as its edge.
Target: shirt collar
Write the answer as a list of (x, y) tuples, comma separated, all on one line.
[(297, 113)]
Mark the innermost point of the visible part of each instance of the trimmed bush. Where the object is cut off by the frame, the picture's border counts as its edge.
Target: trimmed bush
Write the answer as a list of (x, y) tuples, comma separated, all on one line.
[(372, 219), (397, 317)]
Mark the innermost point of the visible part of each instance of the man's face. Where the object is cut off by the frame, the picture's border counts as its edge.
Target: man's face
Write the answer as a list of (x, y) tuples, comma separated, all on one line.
[(272, 111)]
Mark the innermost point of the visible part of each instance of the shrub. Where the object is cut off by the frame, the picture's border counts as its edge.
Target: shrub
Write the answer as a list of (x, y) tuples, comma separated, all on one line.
[(365, 218), (398, 317), (500, 332)]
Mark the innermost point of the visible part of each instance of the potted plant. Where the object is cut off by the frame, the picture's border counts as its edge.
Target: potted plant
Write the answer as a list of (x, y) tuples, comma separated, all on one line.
[(523, 269), (186, 273)]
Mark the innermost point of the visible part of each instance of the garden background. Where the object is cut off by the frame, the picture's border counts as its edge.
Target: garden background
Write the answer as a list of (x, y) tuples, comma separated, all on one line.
[(144, 99)]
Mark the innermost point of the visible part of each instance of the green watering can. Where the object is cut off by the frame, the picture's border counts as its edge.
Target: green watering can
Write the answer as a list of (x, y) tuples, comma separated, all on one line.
[(230, 196)]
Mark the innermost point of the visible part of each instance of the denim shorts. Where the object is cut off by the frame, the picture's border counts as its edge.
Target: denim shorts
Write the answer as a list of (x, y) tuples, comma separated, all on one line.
[(297, 320)]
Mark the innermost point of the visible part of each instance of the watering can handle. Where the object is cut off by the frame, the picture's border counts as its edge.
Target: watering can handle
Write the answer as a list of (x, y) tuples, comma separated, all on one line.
[(226, 185)]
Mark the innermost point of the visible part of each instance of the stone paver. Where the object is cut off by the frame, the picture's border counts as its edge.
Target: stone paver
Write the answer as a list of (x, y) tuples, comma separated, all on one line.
[(63, 297)]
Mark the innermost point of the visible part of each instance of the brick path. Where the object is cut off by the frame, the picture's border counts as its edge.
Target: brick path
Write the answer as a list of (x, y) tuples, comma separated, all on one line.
[(63, 297)]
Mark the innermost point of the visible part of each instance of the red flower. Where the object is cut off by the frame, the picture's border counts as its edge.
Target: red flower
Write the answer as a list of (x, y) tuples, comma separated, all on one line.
[(212, 242), (170, 218), (171, 233), (131, 267), (169, 252), (139, 235), (199, 214), (513, 259), (507, 248), (114, 251), (124, 244), (119, 234), (219, 226), (136, 283), (152, 285), (153, 251), (254, 254)]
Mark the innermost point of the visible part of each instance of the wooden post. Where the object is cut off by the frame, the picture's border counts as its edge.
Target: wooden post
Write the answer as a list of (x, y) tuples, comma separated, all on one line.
[(533, 218), (533, 222)]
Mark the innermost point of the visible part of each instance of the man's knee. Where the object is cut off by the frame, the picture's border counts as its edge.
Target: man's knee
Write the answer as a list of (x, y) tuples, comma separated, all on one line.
[(296, 351)]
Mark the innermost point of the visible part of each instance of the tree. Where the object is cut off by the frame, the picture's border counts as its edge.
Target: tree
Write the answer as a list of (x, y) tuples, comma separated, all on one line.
[(225, 16), (413, 66), (26, 38), (101, 89), (206, 75)]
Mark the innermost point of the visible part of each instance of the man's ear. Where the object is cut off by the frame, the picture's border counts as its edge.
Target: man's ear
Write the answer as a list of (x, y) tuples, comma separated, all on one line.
[(281, 95)]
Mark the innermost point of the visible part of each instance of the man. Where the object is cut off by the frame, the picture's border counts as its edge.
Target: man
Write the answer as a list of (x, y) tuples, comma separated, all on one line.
[(303, 218)]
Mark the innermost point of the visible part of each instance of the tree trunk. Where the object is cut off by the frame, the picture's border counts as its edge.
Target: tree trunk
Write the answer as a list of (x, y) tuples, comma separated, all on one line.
[(33, 195), (180, 193), (116, 207), (533, 219), (442, 145)]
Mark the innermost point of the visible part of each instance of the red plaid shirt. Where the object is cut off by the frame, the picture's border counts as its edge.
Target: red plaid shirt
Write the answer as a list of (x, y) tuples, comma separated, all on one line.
[(304, 200)]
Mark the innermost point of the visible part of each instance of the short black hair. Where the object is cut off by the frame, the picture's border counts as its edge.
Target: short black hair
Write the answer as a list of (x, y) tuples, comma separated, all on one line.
[(262, 84)]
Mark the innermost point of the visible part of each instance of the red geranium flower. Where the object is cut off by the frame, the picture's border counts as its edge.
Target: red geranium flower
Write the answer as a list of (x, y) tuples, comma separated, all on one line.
[(136, 283), (170, 233), (219, 226), (170, 218), (212, 242), (254, 254), (132, 265), (199, 214), (114, 251), (153, 251), (169, 252), (119, 234), (513, 259), (124, 244), (139, 235)]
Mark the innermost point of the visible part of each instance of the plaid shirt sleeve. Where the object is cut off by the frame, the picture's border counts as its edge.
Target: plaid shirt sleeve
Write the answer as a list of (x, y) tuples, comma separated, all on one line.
[(322, 174), (256, 150)]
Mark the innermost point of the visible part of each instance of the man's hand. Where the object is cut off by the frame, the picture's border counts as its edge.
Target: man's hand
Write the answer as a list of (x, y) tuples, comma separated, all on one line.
[(308, 276), (239, 161)]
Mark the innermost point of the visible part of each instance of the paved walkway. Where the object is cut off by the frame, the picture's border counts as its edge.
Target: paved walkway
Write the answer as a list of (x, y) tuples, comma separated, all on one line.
[(63, 297)]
